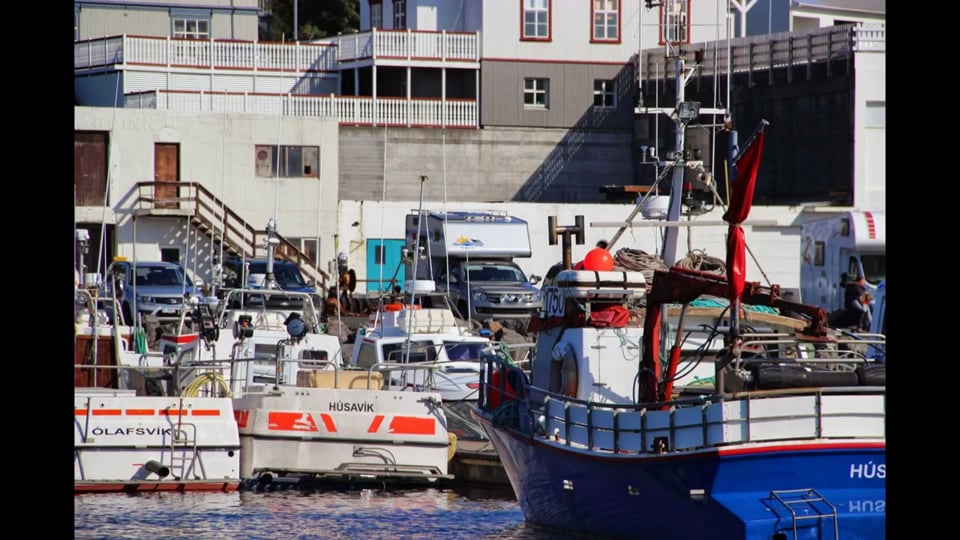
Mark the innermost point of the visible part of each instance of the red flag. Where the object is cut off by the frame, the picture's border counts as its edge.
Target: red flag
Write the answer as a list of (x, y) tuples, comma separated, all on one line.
[(741, 200)]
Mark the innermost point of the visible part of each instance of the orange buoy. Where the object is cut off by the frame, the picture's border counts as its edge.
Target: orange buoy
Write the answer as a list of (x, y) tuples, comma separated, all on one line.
[(598, 259)]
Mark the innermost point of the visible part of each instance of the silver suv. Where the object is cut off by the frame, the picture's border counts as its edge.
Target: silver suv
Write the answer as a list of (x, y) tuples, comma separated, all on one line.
[(159, 288), (490, 289)]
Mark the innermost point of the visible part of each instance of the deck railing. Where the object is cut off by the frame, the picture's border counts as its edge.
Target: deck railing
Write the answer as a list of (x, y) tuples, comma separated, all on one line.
[(325, 55), (348, 110)]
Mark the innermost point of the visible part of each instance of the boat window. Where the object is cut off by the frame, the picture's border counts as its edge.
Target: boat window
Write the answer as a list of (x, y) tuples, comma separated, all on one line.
[(463, 351), (319, 358), (419, 351)]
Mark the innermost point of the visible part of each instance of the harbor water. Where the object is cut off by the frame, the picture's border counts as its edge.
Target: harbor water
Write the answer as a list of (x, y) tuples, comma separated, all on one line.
[(368, 513)]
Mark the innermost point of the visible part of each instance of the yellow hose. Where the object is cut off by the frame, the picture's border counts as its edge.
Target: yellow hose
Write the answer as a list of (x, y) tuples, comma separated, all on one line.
[(193, 388)]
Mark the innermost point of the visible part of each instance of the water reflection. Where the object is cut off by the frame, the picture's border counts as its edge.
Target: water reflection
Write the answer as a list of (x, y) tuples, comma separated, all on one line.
[(416, 513)]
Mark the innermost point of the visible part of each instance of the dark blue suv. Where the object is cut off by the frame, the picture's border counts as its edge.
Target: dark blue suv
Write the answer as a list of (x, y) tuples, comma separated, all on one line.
[(250, 274)]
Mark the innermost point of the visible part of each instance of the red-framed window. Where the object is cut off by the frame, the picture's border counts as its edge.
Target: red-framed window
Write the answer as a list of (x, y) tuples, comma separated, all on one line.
[(675, 22), (399, 14), (376, 14), (535, 20), (605, 21)]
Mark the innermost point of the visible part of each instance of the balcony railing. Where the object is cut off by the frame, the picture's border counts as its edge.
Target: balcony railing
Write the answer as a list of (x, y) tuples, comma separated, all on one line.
[(348, 110), (407, 44), (194, 53), (259, 55)]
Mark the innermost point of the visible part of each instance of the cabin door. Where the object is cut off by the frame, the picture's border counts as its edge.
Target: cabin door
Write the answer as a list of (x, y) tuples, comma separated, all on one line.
[(384, 264), (166, 173)]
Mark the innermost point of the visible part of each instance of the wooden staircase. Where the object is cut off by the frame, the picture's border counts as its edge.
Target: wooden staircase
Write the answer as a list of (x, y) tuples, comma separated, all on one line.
[(224, 227)]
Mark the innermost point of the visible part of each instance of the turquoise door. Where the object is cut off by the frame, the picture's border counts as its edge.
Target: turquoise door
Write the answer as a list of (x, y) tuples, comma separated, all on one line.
[(383, 264)]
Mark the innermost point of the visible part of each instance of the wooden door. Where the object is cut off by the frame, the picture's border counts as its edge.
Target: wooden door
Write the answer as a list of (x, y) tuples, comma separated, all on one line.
[(166, 173), (90, 168)]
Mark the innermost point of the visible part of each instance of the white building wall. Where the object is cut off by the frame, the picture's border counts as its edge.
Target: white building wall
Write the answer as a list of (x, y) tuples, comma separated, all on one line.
[(777, 248), (869, 160), (218, 151)]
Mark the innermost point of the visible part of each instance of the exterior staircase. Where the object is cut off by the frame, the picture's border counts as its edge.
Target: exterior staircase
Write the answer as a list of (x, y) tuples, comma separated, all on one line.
[(224, 227)]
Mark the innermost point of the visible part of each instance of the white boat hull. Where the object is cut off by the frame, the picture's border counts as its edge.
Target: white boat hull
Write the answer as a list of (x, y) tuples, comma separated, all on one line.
[(342, 432), (127, 442)]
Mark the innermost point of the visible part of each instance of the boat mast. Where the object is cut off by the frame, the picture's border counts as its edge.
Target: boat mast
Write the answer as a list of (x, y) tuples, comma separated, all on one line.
[(682, 114)]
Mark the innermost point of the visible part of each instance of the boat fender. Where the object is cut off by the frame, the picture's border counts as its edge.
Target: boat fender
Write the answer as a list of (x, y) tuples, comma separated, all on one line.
[(569, 376)]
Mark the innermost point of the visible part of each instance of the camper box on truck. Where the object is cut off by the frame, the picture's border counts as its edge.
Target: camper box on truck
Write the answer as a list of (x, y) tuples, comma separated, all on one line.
[(470, 255), (849, 244)]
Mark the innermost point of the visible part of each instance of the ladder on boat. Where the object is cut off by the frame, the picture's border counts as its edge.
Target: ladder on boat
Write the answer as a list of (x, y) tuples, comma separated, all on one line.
[(791, 499), (184, 457)]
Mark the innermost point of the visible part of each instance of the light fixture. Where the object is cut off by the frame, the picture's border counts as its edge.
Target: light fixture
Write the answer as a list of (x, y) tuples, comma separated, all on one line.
[(688, 110)]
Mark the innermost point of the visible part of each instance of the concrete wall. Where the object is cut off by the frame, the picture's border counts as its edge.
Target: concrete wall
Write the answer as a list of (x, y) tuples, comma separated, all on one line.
[(774, 248), (217, 151), (496, 164)]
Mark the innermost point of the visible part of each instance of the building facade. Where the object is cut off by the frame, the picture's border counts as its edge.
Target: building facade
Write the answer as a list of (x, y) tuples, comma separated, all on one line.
[(526, 101)]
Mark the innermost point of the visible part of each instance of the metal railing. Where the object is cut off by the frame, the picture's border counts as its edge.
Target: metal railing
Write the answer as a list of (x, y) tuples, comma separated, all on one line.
[(769, 51)]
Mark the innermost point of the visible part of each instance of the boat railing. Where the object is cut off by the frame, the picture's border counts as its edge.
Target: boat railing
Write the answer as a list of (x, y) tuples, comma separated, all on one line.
[(200, 379), (687, 423)]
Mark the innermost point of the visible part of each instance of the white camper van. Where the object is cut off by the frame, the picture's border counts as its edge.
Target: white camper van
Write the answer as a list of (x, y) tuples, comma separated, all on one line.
[(470, 255), (851, 243)]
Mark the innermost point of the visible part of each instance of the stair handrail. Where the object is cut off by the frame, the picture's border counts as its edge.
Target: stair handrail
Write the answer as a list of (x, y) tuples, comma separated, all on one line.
[(204, 202)]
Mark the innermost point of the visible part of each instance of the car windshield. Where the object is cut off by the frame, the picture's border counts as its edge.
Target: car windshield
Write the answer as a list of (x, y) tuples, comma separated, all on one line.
[(874, 267), (495, 272), (287, 276), (161, 276)]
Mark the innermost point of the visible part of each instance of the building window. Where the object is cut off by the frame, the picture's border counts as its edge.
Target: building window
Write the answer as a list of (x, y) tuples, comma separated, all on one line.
[(536, 93), (606, 20), (399, 14), (876, 114), (674, 22), (536, 20), (290, 161), (604, 93), (76, 25), (191, 28), (376, 14)]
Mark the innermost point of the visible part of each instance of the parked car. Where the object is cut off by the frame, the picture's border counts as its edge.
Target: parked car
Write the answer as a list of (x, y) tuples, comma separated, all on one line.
[(251, 274), (162, 289), (490, 289)]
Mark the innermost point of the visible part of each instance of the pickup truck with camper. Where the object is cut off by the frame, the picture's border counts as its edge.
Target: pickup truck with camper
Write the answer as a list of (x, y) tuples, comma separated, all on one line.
[(470, 256), (844, 246), (162, 289)]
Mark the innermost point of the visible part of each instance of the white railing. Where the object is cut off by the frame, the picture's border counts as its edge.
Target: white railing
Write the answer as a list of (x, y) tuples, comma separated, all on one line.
[(258, 55), (350, 110), (442, 46)]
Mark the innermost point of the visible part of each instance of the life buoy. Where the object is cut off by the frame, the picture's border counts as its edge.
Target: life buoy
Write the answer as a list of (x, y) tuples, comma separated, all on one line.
[(509, 391)]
